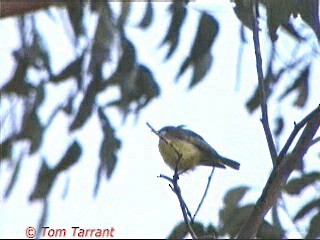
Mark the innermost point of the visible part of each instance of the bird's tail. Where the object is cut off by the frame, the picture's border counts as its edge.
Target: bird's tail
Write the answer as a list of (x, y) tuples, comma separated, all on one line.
[(230, 163)]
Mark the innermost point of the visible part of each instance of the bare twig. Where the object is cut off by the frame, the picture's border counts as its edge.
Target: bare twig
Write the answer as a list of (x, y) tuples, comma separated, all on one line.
[(167, 142), (314, 141), (285, 209), (262, 88), (204, 195), (278, 178), (295, 131), (175, 187)]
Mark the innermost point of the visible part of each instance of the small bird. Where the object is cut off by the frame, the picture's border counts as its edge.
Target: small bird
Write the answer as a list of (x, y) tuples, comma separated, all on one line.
[(193, 150)]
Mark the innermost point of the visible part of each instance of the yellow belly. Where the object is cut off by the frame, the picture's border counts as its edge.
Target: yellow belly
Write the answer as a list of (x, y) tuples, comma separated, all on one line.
[(191, 156)]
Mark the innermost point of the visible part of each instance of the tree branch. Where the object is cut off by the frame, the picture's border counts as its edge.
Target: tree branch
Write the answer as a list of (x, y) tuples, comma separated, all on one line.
[(262, 88), (204, 195), (12, 8), (278, 178), (294, 133), (174, 181)]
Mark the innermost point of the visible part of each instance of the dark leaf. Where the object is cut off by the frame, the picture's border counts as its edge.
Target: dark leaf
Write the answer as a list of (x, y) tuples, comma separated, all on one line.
[(148, 15), (309, 11), (75, 13), (307, 209), (279, 126), (109, 146), (98, 181), (103, 39), (40, 91), (267, 231), (243, 11), (201, 67), (198, 228), (44, 182), (314, 227), (179, 231), (207, 32), (32, 130), (125, 11), (232, 222), (296, 185), (126, 69), (234, 196), (278, 13), (17, 84), (5, 150), (147, 86), (67, 108), (70, 157), (14, 177), (179, 12), (302, 86), (72, 70), (87, 104), (211, 232)]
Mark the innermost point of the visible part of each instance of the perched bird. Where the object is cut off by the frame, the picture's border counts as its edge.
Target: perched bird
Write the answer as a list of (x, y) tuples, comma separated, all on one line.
[(193, 150)]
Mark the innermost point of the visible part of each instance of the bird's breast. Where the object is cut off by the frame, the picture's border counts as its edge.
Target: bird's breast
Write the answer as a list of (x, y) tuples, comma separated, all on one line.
[(191, 155)]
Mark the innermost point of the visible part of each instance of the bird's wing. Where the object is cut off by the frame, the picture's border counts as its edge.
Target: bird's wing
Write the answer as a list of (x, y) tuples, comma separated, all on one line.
[(194, 139)]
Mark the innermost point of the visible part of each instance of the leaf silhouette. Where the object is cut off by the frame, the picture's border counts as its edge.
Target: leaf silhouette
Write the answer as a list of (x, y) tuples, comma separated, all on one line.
[(314, 230), (307, 209), (278, 12), (180, 231), (148, 15), (268, 231), (201, 68), (302, 86), (125, 11), (309, 11), (207, 32), (178, 15), (279, 126), (234, 196), (231, 224), (70, 157), (75, 14), (243, 11), (103, 39), (296, 185), (72, 70), (87, 104), (44, 182)]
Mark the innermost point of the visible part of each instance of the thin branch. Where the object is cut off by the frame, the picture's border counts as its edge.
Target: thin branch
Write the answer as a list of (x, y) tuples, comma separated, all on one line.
[(314, 141), (295, 131), (285, 209), (166, 141), (262, 88), (278, 178), (175, 187), (204, 195)]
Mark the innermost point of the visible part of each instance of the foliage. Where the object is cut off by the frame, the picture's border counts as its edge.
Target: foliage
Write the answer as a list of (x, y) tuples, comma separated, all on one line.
[(138, 87)]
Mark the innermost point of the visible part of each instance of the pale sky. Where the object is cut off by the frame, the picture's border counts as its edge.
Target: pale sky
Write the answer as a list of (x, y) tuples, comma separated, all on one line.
[(135, 202)]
